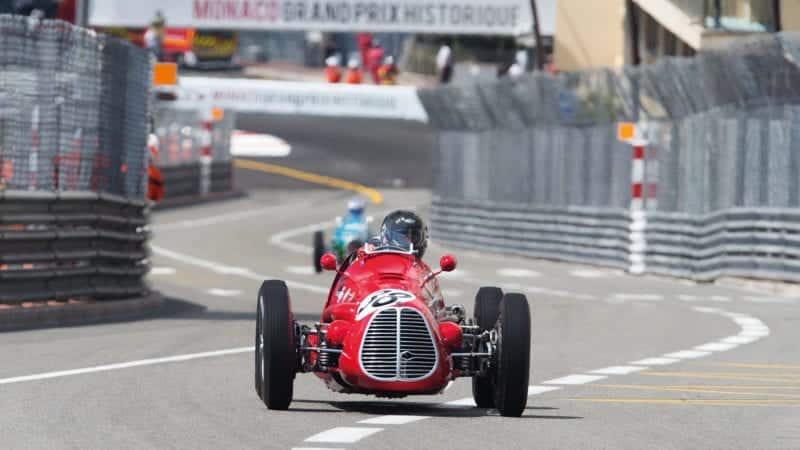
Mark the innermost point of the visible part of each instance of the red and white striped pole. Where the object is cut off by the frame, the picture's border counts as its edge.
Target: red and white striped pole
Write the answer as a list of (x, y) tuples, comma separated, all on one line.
[(644, 171), (206, 142)]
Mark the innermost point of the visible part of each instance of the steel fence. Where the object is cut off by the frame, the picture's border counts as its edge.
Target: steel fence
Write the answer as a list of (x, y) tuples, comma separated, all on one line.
[(73, 107), (721, 161)]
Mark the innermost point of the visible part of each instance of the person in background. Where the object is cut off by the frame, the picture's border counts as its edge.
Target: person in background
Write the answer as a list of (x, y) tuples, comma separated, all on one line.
[(333, 73), (373, 61), (444, 63), (388, 71), (364, 43), (155, 181), (154, 36), (354, 75)]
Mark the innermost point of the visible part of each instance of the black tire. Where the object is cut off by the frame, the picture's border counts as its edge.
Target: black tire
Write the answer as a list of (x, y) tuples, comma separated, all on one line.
[(513, 355), (258, 353), (354, 246), (278, 351), (487, 309), (319, 250)]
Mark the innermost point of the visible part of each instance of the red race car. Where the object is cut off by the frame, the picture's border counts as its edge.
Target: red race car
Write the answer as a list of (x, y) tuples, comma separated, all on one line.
[(386, 331)]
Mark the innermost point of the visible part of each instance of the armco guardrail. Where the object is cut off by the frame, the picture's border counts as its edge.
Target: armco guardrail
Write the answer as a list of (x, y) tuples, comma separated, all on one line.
[(579, 234), (707, 188), (762, 243), (62, 246)]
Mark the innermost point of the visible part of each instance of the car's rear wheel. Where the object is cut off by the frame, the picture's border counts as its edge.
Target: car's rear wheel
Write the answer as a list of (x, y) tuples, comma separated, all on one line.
[(487, 309), (513, 355), (276, 344), (319, 250)]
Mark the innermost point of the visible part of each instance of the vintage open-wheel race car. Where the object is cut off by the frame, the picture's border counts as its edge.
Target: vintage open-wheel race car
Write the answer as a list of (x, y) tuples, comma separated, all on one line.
[(385, 330)]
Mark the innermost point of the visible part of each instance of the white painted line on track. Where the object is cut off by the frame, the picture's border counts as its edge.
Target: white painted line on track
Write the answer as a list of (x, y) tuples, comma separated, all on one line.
[(777, 300), (716, 347), (575, 379), (235, 271), (688, 298), (159, 271), (655, 361), (593, 273), (720, 298), (281, 239), (213, 220), (639, 297), (300, 270), (512, 272), (469, 401), (125, 365), (740, 339), (536, 390), (393, 420), (618, 370), (687, 354), (344, 435), (257, 145), (317, 448), (224, 292)]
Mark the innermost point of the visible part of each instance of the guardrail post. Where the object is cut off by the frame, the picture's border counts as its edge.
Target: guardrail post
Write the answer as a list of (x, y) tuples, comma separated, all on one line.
[(33, 156)]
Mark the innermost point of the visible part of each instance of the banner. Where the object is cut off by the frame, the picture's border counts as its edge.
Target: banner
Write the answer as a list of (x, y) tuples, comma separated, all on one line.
[(313, 99), (488, 17)]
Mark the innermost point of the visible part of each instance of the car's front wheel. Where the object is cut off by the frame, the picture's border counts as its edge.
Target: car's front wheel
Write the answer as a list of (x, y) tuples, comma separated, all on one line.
[(513, 355), (275, 345), (486, 312)]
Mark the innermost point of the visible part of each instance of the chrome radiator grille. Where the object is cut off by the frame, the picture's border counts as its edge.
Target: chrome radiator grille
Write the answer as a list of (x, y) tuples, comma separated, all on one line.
[(398, 346)]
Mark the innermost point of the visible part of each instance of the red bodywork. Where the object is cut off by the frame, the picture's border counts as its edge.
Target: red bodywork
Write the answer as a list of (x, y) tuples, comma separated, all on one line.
[(348, 315)]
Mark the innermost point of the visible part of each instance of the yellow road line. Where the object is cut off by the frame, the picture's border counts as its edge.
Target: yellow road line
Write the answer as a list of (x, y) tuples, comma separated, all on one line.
[(692, 402), (759, 366), (323, 180), (693, 390), (722, 376)]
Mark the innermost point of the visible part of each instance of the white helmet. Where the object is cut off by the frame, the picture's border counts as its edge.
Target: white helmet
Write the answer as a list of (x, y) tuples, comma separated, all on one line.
[(356, 206)]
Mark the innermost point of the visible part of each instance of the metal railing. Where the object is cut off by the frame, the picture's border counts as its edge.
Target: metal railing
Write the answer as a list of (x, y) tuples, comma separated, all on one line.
[(721, 132)]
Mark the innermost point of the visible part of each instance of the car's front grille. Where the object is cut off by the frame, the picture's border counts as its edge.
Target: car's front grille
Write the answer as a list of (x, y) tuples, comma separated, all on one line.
[(398, 346)]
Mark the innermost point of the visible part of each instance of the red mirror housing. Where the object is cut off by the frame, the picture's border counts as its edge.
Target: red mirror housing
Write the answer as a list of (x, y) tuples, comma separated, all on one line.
[(328, 261), (448, 263)]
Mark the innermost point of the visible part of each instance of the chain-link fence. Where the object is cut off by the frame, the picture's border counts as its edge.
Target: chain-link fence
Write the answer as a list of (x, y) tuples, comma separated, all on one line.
[(723, 131), (181, 134), (73, 108)]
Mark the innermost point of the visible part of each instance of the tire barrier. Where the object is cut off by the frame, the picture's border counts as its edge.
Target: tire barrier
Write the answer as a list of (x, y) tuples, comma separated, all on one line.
[(185, 181), (71, 245)]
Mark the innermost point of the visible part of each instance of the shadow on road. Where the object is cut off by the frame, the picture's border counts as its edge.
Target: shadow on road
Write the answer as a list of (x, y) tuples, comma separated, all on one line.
[(416, 408), (176, 309)]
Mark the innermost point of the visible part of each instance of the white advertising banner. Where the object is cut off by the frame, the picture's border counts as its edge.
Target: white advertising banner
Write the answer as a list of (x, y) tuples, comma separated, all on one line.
[(489, 17), (313, 99)]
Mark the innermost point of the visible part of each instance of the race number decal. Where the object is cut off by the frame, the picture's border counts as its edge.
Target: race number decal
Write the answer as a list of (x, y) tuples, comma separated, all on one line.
[(381, 299)]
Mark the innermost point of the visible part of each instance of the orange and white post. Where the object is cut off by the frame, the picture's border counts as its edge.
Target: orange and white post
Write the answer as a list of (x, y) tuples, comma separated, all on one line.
[(644, 173)]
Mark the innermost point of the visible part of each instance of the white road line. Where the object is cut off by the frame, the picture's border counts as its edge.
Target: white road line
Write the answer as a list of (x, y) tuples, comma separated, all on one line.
[(655, 361), (258, 145), (740, 339), (779, 300), (300, 270), (639, 297), (469, 401), (687, 354), (593, 273), (536, 390), (720, 298), (688, 298), (213, 220), (716, 347), (575, 379), (280, 239), (158, 271), (344, 435), (317, 448), (224, 292), (512, 272), (393, 420), (125, 365), (618, 370), (230, 270)]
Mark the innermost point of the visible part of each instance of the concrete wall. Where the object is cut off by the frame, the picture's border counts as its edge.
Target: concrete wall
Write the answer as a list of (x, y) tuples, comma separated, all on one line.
[(589, 34)]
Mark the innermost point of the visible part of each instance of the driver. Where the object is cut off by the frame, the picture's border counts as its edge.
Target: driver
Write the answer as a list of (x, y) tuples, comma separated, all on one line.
[(355, 208), (405, 229)]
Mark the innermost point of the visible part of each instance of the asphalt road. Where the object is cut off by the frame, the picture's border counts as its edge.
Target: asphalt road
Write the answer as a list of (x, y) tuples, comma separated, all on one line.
[(618, 362)]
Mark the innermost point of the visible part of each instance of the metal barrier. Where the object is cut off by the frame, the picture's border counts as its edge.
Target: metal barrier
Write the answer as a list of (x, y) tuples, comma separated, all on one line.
[(68, 245), (711, 190)]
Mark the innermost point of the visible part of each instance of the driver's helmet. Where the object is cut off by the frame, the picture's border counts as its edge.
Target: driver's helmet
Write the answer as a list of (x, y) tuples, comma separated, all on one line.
[(355, 207), (401, 228)]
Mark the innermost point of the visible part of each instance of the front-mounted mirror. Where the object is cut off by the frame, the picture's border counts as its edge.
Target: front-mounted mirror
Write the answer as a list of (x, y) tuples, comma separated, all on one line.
[(448, 263), (328, 262)]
